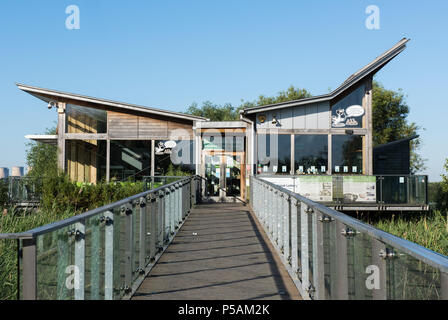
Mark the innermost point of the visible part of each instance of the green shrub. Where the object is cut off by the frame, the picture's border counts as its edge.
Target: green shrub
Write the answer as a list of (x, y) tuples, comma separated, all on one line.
[(3, 192), (61, 199), (60, 192)]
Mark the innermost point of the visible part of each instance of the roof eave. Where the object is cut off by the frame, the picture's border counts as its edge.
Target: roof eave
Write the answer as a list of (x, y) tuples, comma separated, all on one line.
[(368, 70), (116, 104)]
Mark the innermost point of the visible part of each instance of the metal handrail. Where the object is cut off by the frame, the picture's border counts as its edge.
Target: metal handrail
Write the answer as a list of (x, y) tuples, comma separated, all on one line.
[(280, 211), (63, 223), (381, 191), (430, 257), (160, 213)]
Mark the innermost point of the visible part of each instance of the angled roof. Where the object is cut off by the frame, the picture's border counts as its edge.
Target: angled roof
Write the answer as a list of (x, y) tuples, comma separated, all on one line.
[(48, 95), (389, 144), (370, 69)]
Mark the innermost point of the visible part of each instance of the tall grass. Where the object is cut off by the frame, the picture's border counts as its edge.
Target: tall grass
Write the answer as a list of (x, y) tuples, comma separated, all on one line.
[(61, 199), (13, 221), (429, 230)]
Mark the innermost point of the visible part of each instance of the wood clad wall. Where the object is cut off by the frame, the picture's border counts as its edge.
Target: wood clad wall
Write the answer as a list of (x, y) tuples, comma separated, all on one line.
[(128, 126), (122, 125), (81, 159)]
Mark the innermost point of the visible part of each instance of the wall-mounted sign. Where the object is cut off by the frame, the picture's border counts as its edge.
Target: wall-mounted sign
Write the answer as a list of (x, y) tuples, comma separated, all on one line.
[(165, 147), (349, 117)]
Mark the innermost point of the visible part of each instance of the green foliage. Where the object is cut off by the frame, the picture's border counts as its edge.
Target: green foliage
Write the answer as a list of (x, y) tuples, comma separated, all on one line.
[(428, 230), (42, 158), (13, 221), (61, 199), (214, 112), (390, 112), (176, 171), (229, 113), (441, 195), (59, 192), (290, 94), (3, 192), (444, 183)]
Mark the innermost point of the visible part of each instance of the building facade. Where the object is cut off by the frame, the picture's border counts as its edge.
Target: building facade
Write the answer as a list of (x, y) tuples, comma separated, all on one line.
[(320, 146)]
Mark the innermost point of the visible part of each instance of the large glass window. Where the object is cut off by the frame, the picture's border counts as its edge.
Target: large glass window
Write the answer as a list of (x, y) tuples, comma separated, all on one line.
[(348, 112), (85, 161), (174, 157), (274, 153), (310, 154), (347, 154), (85, 120), (130, 159)]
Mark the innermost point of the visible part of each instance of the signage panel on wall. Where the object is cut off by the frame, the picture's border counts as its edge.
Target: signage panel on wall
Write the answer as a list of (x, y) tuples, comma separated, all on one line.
[(316, 188), (320, 188), (359, 189)]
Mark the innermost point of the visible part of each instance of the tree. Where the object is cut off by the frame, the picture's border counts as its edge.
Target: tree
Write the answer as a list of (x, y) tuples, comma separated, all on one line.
[(445, 177), (442, 190), (42, 158), (214, 112), (227, 112), (390, 112)]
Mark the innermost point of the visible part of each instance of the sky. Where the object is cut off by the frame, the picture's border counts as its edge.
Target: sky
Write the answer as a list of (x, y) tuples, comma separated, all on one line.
[(169, 54)]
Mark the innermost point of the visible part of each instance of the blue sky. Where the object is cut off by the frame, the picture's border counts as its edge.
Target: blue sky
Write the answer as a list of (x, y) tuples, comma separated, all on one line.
[(169, 54)]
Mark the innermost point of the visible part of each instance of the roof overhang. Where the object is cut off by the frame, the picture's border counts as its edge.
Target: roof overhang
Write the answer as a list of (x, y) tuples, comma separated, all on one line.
[(47, 139), (48, 95), (393, 143), (365, 72)]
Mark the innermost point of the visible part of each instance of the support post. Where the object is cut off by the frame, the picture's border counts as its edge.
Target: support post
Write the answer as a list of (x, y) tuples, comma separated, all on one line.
[(287, 229), (275, 216), (377, 248), (444, 285), (29, 269), (318, 258), (304, 249), (109, 256), (153, 158), (295, 211), (129, 252), (61, 136), (108, 160), (143, 205), (341, 263), (80, 258)]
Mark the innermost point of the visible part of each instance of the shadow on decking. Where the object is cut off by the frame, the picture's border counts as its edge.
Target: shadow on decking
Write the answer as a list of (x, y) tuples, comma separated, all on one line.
[(215, 265)]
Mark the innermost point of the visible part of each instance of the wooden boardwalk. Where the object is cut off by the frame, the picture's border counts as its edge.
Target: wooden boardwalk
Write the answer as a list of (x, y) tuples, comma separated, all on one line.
[(221, 253)]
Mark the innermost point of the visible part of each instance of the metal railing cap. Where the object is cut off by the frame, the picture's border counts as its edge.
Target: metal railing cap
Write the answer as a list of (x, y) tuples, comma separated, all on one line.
[(428, 256), (63, 223)]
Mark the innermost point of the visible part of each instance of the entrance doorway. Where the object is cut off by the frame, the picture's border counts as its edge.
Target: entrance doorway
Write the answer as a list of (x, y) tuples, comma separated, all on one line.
[(225, 175)]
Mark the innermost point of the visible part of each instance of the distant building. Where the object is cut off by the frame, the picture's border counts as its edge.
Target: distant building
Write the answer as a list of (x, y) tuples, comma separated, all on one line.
[(393, 157)]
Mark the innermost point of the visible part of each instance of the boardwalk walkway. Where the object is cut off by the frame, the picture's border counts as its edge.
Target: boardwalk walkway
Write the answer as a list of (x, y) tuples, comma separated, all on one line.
[(221, 253)]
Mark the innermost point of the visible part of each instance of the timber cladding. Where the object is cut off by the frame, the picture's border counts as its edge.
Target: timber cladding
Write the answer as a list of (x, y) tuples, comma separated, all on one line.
[(81, 157), (129, 126)]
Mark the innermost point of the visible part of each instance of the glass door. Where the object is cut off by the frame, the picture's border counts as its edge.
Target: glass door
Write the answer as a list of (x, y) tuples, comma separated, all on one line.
[(224, 174), (213, 175)]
